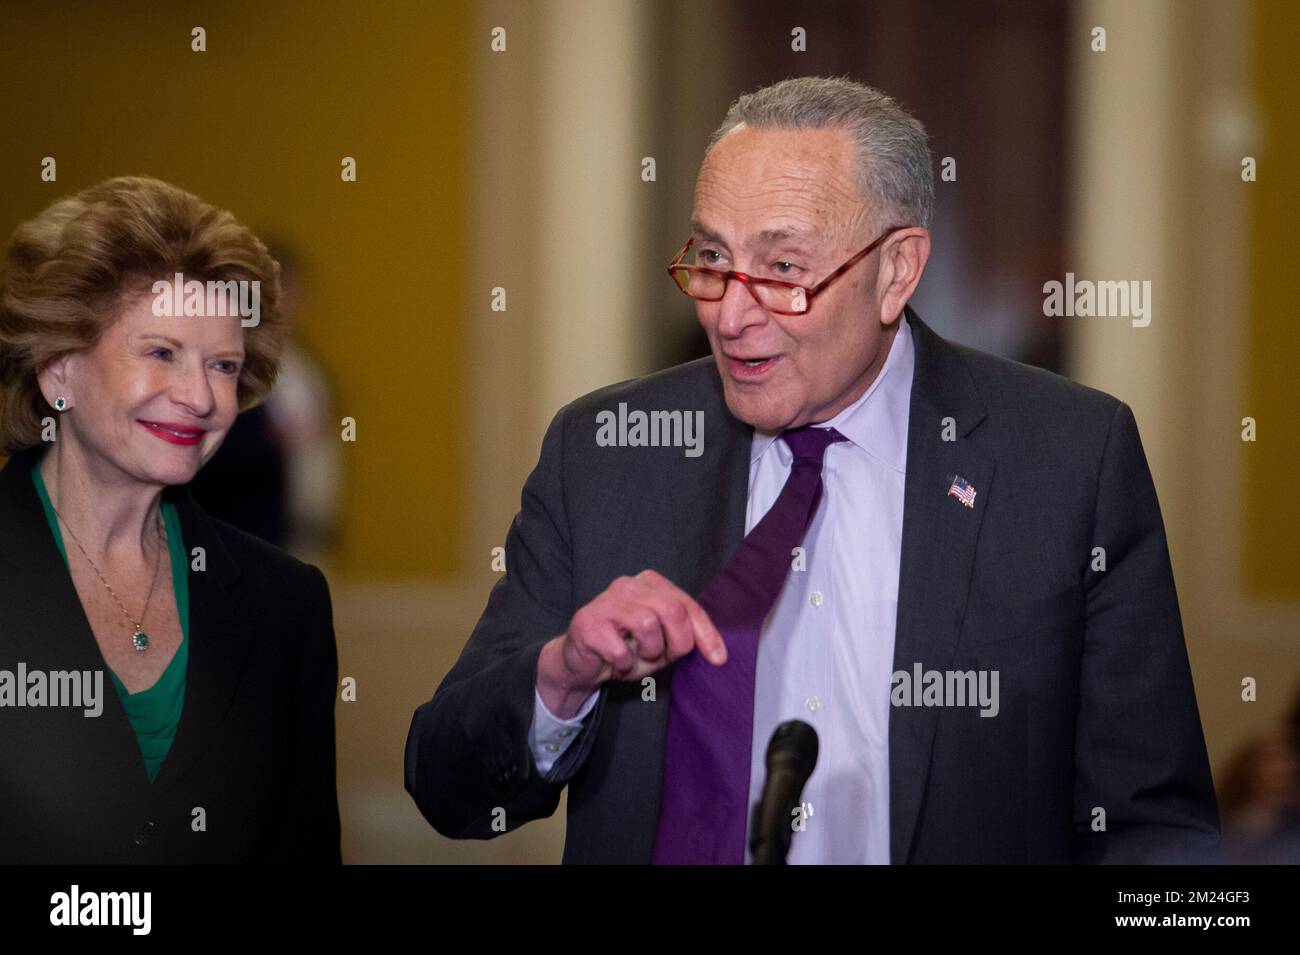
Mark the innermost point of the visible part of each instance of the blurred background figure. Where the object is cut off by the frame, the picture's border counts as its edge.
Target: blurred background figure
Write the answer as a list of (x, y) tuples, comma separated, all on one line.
[(279, 472), (1259, 796), (244, 483)]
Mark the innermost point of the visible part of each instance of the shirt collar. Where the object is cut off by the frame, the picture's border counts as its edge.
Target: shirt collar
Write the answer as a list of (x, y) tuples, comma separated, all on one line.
[(877, 421)]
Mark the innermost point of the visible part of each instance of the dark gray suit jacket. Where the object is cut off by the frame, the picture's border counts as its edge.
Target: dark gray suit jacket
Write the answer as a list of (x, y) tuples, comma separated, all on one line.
[(1097, 705)]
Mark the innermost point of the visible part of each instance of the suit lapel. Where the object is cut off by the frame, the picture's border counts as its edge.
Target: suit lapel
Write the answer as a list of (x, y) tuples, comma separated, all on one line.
[(220, 640), (46, 627), (710, 493), (938, 556)]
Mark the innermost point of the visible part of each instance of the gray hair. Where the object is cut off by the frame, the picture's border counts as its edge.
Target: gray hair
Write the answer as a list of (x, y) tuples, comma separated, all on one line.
[(894, 173)]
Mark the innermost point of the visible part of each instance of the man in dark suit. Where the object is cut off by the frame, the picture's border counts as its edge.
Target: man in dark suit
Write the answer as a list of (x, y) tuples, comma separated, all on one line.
[(960, 518)]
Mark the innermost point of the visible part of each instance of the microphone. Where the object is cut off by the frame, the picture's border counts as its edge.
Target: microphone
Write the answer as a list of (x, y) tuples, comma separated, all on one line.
[(791, 756)]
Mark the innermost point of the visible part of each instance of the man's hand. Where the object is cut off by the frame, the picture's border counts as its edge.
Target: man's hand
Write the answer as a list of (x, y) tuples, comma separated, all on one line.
[(636, 627)]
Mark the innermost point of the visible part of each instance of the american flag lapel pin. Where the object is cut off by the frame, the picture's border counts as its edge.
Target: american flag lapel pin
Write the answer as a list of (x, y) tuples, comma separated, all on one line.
[(962, 490)]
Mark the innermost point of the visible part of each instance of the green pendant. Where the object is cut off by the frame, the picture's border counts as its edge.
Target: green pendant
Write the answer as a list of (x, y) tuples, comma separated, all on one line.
[(140, 640)]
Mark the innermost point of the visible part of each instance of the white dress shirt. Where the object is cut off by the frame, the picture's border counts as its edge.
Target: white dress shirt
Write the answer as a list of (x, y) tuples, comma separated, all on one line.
[(826, 652)]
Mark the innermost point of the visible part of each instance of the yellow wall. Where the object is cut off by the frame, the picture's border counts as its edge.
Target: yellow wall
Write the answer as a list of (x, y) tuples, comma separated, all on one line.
[(1272, 525), (258, 124)]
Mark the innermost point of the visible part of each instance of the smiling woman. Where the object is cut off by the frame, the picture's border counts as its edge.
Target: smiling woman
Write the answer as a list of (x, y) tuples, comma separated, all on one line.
[(70, 268), (109, 406)]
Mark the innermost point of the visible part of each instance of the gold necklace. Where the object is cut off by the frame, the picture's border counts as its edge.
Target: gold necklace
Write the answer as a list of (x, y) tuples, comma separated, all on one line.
[(139, 639)]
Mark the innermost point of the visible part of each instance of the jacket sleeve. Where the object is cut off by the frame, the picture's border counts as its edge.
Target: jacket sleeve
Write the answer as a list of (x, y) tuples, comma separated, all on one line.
[(469, 766), (1139, 748), (310, 829)]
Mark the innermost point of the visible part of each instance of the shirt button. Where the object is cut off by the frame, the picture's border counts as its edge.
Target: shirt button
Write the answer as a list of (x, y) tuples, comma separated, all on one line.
[(813, 704), (552, 748), (816, 599), (566, 733)]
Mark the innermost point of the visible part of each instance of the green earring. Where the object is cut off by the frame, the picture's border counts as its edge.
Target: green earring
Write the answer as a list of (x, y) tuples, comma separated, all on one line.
[(60, 403)]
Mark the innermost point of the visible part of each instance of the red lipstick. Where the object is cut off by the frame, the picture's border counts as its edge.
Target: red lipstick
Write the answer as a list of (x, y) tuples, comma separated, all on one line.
[(174, 431)]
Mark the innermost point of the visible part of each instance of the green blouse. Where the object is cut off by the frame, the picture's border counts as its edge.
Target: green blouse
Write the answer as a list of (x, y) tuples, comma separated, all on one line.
[(156, 712)]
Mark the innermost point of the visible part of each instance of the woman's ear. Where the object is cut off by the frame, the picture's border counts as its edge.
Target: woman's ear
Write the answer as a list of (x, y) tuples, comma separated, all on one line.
[(54, 379)]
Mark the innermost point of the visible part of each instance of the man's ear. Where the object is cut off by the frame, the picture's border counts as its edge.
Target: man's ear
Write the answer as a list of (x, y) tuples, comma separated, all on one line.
[(901, 266)]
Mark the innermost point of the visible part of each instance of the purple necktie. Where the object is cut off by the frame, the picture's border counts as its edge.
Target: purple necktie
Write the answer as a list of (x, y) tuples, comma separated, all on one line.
[(704, 803)]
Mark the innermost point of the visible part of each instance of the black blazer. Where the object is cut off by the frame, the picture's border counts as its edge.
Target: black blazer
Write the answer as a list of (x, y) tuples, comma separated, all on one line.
[(255, 745), (1097, 705)]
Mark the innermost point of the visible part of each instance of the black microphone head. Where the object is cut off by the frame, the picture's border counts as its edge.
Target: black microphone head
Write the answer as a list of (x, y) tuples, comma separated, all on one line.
[(794, 747)]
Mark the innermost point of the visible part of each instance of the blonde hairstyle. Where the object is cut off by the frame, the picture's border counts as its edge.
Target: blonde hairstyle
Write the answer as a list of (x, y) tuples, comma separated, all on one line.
[(67, 270)]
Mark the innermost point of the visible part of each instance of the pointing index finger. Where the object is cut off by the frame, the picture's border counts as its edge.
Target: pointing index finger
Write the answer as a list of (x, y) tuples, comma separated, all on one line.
[(707, 637)]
